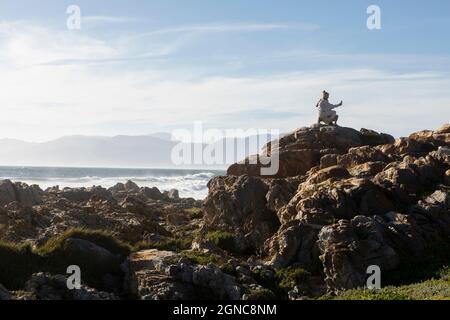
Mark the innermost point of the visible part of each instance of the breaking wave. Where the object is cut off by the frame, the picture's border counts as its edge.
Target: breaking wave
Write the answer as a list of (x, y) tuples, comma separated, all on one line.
[(190, 183)]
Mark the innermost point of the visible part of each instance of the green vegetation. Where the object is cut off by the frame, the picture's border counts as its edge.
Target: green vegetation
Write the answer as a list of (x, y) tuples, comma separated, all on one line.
[(223, 240), (169, 244), (101, 238), (19, 262), (433, 289), (290, 277), (194, 213), (283, 281), (415, 269), (229, 269), (203, 258), (261, 294)]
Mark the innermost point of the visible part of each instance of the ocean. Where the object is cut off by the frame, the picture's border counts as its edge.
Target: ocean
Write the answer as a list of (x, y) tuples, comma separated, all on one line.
[(190, 183)]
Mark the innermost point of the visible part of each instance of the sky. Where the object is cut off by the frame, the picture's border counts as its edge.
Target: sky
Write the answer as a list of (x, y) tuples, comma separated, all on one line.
[(142, 66)]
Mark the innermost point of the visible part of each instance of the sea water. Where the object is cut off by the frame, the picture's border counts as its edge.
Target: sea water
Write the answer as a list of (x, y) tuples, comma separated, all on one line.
[(190, 183)]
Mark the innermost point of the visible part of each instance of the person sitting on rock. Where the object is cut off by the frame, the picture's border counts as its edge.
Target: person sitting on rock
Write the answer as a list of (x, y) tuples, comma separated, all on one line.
[(326, 112)]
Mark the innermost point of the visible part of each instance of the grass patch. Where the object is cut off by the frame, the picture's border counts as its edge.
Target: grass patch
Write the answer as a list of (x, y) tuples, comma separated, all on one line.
[(223, 240), (416, 269), (202, 258), (194, 213), (433, 289), (261, 295), (101, 238), (169, 244), (229, 268), (57, 255), (19, 262), (283, 281), (290, 277)]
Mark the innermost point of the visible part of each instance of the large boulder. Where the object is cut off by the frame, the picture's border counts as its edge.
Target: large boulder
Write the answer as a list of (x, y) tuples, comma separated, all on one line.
[(44, 286), (75, 194), (331, 137), (20, 192), (439, 137), (152, 193), (348, 248), (324, 202), (412, 176), (295, 242), (300, 151), (239, 205), (291, 163), (164, 275)]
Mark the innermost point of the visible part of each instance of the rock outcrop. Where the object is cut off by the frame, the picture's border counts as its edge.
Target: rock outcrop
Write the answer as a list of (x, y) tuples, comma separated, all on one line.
[(162, 275), (342, 199), (20, 192), (129, 211), (304, 148), (44, 286)]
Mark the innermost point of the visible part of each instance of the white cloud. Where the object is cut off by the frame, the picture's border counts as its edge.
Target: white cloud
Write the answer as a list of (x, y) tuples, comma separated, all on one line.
[(105, 19), (24, 45), (41, 101), (229, 27)]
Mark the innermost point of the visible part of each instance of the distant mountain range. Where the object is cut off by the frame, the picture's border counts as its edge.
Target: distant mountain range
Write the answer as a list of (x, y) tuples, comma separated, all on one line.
[(147, 151)]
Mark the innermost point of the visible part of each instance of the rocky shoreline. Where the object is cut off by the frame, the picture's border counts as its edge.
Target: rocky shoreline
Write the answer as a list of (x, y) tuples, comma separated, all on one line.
[(342, 200)]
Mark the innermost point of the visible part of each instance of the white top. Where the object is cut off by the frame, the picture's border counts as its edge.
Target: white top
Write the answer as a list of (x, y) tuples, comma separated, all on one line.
[(325, 108)]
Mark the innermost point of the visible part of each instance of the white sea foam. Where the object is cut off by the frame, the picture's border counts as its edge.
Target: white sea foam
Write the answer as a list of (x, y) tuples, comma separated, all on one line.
[(189, 183)]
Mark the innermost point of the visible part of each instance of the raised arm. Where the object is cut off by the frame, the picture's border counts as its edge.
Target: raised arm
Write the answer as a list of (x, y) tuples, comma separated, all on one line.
[(336, 105)]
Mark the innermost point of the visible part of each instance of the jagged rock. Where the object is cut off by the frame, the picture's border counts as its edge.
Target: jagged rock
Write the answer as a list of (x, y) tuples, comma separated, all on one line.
[(302, 150), (407, 146), (445, 129), (291, 163), (131, 186), (209, 278), (118, 187), (342, 199), (334, 172), (349, 247), (20, 192), (280, 192), (45, 286), (295, 242), (84, 194), (439, 137), (367, 169), (155, 275), (442, 154), (331, 137), (152, 193), (361, 155), (411, 178), (100, 193), (239, 205), (134, 205), (364, 197), (328, 160), (173, 194), (76, 194)]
